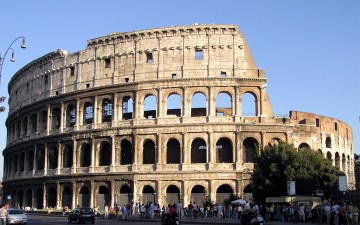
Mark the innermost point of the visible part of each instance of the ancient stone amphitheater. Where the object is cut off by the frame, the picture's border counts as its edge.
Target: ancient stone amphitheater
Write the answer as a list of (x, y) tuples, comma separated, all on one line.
[(150, 115)]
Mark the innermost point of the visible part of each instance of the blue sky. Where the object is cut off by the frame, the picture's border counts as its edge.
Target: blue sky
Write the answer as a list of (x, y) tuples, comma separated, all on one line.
[(309, 49)]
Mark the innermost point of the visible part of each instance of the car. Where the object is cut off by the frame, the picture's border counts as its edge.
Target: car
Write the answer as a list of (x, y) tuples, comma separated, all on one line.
[(82, 215), (16, 216)]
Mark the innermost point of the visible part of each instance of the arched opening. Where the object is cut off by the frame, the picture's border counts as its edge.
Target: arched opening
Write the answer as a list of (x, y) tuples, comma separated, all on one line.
[(149, 152), (223, 192), (150, 107), (125, 195), (103, 197), (250, 146), (198, 105), (173, 151), (30, 160), (343, 163), (28, 198), (224, 151), (84, 197), (15, 163), (39, 198), (22, 162), (328, 142), (303, 146), (248, 102), (89, 113), (40, 159), (198, 151), (107, 106), (247, 195), (68, 156), (148, 194), (51, 197), (33, 123), (127, 108), (105, 154), (85, 155), (274, 141), (56, 117), (21, 198), (126, 152), (223, 104), (70, 116), (53, 157), (172, 195), (66, 199), (337, 160), (329, 156), (198, 194), (25, 126), (174, 105)]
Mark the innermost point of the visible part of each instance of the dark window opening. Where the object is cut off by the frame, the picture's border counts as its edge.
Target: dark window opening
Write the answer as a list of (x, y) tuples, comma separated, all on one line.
[(198, 151), (46, 78), (72, 115), (85, 155), (107, 110), (87, 85), (173, 76), (149, 58), (173, 152), (336, 126), (223, 74), (199, 54), (317, 122), (107, 63), (149, 152), (72, 71), (126, 80), (126, 152), (89, 113), (105, 154)]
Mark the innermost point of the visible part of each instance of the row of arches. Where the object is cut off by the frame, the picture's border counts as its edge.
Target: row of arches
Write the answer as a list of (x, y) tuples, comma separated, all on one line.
[(63, 155), (70, 195), (105, 109)]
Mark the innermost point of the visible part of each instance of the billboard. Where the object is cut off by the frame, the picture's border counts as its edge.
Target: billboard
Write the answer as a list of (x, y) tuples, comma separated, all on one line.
[(291, 190)]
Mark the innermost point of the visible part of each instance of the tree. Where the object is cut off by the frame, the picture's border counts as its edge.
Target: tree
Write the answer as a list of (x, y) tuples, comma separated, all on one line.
[(275, 165)]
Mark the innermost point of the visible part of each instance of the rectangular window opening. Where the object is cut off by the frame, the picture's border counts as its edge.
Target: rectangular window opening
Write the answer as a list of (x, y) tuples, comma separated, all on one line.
[(72, 71), (173, 76), (317, 123), (107, 63), (46, 79), (87, 85), (219, 114), (126, 80), (198, 54), (223, 74), (336, 126), (149, 58)]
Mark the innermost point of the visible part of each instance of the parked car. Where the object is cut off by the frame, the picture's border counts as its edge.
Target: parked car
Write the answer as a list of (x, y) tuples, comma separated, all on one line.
[(16, 216), (82, 215)]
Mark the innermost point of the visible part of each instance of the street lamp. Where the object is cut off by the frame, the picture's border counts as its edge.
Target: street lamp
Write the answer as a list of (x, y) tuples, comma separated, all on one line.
[(12, 59)]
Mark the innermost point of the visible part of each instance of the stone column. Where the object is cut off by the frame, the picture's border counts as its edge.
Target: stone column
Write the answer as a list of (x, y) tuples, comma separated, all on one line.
[(59, 159), (159, 153), (115, 117), (135, 151), (112, 193), (92, 193), (34, 161), (262, 94), (79, 113), (96, 110), (74, 191), (74, 164), (211, 150), (113, 155), (59, 196), (49, 120), (186, 104), (93, 147), (44, 196), (185, 154), (211, 104), (62, 116), (45, 159)]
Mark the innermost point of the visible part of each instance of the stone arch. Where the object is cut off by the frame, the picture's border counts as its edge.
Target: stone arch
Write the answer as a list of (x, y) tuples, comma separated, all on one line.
[(173, 151), (274, 141), (29, 160), (53, 156), (172, 195), (67, 156), (126, 153), (126, 195), (29, 198), (150, 105), (21, 198), (148, 194), (88, 113), (39, 202), (107, 110), (223, 104), (224, 151), (103, 197), (320, 152), (66, 197), (249, 104), (55, 118), (329, 156), (127, 107), (223, 192), (33, 123), (328, 142), (198, 105), (51, 197), (70, 115), (15, 163), (198, 151), (198, 194), (105, 154), (343, 163), (247, 193), (85, 155), (337, 160), (84, 196), (174, 105), (22, 162), (43, 120), (40, 158), (250, 146), (148, 152), (303, 146), (24, 124)]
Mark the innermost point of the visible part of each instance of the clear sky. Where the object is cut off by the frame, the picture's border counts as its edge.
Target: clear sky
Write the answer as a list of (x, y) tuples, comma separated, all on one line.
[(309, 49)]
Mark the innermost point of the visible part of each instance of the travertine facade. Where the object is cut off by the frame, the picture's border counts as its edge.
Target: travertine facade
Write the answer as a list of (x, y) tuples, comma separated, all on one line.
[(152, 115)]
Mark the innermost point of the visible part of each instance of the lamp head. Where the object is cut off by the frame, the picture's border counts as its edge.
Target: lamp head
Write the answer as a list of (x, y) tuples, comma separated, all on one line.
[(23, 45), (12, 59)]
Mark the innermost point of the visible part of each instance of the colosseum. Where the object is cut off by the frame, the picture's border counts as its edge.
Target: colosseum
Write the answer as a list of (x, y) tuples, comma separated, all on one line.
[(151, 115)]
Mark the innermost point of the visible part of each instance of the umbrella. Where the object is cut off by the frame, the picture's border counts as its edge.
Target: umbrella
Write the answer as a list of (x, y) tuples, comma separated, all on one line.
[(238, 202)]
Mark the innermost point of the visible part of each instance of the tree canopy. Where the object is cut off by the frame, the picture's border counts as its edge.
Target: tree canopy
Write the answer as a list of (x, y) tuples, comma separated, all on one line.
[(277, 164)]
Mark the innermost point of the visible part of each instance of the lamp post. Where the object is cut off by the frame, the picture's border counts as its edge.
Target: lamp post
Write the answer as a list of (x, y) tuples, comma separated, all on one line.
[(12, 59)]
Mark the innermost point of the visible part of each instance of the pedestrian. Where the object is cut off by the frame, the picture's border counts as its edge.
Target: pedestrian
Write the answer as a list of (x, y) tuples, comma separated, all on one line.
[(124, 212), (3, 214), (106, 212)]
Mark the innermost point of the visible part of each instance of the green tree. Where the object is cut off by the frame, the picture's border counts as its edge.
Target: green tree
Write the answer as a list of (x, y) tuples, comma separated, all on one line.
[(275, 165)]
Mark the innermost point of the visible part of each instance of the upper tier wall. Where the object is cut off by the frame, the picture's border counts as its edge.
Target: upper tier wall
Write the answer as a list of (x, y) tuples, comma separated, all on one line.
[(196, 51)]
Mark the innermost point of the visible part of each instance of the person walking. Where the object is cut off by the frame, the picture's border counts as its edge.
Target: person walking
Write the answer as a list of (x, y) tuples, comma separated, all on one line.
[(3, 214), (106, 212)]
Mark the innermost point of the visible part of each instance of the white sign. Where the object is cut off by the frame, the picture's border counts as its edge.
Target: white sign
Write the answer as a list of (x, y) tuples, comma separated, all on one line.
[(342, 183), (291, 190), (9, 197)]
